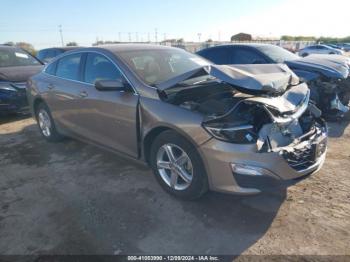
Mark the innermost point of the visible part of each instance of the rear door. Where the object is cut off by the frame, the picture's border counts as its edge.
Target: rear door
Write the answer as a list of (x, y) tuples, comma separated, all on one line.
[(107, 117), (64, 90)]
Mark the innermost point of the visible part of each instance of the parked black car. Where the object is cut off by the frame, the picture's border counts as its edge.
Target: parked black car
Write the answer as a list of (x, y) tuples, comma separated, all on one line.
[(47, 54), (16, 66), (326, 75)]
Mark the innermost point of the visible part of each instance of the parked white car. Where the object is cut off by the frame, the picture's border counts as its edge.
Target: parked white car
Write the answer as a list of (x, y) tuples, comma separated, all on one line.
[(319, 49)]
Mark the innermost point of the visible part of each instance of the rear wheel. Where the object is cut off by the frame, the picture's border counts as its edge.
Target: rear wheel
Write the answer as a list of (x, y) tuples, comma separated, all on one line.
[(46, 123), (178, 166)]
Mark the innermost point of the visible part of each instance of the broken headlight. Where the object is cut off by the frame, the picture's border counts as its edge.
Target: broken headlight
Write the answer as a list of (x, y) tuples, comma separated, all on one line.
[(238, 134)]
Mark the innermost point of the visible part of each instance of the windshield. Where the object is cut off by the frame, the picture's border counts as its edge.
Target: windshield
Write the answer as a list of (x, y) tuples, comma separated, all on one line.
[(157, 66), (277, 54), (16, 57)]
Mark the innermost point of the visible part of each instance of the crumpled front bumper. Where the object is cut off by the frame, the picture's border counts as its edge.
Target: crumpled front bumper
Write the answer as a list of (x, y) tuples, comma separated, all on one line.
[(240, 169)]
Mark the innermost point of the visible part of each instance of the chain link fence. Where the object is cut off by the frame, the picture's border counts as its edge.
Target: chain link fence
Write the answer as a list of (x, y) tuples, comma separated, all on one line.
[(193, 47)]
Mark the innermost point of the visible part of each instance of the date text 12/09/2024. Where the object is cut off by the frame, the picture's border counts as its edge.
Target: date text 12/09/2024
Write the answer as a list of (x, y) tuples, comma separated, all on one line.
[(173, 258)]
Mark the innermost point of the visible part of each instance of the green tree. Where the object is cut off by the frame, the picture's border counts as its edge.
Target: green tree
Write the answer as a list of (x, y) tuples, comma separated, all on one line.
[(26, 46), (298, 38)]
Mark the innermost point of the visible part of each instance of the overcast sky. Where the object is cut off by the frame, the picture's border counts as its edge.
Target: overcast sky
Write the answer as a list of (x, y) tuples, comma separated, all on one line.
[(83, 21)]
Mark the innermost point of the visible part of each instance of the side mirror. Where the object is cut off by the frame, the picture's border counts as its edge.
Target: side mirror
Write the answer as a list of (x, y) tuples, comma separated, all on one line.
[(109, 85)]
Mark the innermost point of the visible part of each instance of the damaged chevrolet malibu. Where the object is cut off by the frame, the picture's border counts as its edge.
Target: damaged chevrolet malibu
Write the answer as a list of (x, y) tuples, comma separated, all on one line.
[(198, 126)]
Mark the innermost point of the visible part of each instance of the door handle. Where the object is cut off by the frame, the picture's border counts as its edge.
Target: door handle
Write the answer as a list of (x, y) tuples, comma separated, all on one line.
[(83, 94), (50, 86)]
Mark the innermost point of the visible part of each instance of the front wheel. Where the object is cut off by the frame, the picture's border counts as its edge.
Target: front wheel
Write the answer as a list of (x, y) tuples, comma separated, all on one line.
[(46, 123), (304, 54), (178, 166)]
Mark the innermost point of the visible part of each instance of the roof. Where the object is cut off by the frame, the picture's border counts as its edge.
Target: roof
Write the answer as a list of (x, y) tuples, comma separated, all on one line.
[(133, 47), (239, 44), (65, 48)]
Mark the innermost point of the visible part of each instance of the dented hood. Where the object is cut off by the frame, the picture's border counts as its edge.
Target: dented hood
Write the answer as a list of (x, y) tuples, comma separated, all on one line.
[(288, 102), (333, 66), (252, 79)]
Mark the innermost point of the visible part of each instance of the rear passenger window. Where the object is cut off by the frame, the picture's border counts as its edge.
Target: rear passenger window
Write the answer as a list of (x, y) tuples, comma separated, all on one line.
[(98, 67), (68, 67)]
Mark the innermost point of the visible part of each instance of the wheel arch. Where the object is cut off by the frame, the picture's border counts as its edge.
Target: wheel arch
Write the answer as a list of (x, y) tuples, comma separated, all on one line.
[(156, 131), (36, 103)]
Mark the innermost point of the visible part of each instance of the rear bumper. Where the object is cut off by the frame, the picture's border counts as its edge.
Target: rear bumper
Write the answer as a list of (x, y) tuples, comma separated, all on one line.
[(240, 169)]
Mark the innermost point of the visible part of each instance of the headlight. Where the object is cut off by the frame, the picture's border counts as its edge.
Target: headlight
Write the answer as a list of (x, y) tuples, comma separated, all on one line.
[(238, 134), (7, 86)]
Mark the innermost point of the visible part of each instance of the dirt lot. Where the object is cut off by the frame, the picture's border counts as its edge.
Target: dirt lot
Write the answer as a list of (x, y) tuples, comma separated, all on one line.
[(73, 198)]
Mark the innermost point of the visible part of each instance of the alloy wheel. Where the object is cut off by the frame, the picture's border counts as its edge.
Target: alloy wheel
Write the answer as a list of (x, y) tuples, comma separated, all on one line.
[(44, 122), (174, 166)]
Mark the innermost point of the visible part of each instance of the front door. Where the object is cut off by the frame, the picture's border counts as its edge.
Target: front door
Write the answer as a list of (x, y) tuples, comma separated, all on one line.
[(107, 117)]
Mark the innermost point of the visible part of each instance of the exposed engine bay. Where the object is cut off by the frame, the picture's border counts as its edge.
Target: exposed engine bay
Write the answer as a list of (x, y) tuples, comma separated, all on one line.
[(286, 123)]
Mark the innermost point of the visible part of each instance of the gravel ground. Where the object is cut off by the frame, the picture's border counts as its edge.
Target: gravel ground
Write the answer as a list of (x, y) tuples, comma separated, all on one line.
[(73, 198)]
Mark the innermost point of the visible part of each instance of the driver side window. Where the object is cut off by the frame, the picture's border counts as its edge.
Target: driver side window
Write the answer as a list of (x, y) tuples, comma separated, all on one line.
[(98, 67)]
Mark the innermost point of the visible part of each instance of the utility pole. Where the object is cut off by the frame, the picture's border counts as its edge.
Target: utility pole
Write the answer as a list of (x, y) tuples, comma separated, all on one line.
[(129, 37), (199, 37), (149, 37), (156, 35), (120, 36), (61, 34), (164, 36)]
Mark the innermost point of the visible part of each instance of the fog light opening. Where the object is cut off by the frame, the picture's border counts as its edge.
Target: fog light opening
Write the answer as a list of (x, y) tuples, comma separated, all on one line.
[(246, 170)]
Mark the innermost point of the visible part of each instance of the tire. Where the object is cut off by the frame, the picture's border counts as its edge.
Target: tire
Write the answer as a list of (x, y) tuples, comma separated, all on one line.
[(304, 54), (46, 124), (197, 181), (332, 53)]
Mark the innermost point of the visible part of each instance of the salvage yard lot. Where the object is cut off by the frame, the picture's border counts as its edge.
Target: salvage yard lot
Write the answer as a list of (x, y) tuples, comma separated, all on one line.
[(73, 198)]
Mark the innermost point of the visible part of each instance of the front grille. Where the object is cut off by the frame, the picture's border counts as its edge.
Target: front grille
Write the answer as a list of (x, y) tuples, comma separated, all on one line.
[(300, 159), (303, 158)]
